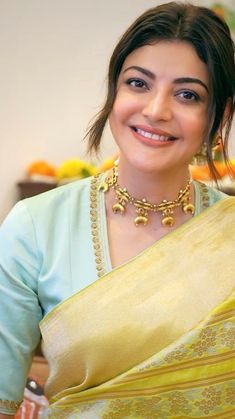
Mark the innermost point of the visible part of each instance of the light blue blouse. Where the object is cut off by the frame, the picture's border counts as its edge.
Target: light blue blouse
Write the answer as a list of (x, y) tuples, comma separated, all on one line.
[(46, 255)]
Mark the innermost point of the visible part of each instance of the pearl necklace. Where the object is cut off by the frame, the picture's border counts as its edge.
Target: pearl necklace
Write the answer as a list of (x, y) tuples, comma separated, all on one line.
[(142, 206)]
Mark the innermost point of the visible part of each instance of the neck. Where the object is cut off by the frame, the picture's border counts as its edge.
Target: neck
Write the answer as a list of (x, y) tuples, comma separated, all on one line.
[(143, 208), (153, 186)]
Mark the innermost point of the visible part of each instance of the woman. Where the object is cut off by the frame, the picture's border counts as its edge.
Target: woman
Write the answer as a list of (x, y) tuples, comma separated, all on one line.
[(154, 336)]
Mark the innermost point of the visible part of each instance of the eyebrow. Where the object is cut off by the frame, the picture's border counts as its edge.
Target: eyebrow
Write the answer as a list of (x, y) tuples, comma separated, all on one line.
[(191, 80), (141, 70), (179, 80)]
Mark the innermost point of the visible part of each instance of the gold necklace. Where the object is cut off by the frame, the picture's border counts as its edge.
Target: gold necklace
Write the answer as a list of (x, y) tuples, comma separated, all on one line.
[(142, 206)]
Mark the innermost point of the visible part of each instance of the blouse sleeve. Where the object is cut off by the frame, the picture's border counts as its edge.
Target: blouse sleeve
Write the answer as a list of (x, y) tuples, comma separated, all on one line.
[(20, 311)]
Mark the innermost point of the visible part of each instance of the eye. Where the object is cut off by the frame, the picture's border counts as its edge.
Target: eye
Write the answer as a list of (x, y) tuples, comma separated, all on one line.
[(137, 83), (188, 96)]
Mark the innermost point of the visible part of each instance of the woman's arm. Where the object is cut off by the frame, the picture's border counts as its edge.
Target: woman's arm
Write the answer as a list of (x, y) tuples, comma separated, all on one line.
[(20, 311)]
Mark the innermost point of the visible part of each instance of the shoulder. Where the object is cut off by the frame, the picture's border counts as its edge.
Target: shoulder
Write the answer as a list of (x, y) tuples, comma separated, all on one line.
[(57, 204), (62, 195), (216, 194), (45, 211), (211, 193)]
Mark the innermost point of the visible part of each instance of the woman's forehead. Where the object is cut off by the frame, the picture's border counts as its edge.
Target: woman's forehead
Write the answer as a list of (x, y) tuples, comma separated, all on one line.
[(172, 58)]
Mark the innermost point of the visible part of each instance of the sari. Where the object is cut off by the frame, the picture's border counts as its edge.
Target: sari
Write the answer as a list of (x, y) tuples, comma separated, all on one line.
[(155, 337)]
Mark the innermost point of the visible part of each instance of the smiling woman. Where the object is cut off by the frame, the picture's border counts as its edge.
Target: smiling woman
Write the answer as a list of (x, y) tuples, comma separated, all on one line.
[(160, 112), (128, 276)]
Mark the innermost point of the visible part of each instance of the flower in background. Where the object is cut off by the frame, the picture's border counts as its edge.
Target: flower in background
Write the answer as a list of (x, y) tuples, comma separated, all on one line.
[(225, 12), (202, 172), (41, 171), (74, 169), (107, 164), (68, 171)]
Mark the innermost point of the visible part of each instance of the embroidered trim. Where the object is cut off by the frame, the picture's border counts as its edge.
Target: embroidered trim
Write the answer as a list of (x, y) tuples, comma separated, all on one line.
[(9, 404), (204, 196), (97, 244), (94, 217)]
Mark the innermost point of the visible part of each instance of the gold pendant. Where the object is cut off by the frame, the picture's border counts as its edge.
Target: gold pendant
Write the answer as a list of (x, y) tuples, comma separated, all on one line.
[(142, 206), (104, 187), (168, 221), (141, 219), (118, 208), (189, 209)]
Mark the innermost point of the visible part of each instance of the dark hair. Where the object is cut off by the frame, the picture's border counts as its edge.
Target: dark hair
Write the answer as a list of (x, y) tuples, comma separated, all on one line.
[(210, 37)]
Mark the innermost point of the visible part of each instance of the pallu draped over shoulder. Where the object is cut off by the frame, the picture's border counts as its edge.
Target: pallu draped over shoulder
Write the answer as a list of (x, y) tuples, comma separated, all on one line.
[(155, 337)]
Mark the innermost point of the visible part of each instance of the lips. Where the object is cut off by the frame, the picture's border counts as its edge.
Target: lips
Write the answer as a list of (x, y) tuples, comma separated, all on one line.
[(155, 135)]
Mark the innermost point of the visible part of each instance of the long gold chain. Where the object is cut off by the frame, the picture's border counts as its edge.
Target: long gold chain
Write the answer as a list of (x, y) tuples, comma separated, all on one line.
[(142, 206)]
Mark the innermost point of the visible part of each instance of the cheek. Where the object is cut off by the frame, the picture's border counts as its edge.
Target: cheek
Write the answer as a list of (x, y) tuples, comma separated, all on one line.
[(120, 117), (115, 125), (195, 124), (196, 134), (199, 131), (113, 121), (124, 107)]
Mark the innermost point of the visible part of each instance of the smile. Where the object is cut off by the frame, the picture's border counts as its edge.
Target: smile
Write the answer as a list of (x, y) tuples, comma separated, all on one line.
[(152, 136)]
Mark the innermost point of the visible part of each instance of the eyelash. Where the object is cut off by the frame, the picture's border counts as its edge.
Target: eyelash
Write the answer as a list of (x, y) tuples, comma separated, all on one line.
[(195, 96), (137, 80)]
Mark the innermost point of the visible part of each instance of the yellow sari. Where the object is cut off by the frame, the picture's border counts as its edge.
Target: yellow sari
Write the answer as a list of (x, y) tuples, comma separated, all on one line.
[(154, 338)]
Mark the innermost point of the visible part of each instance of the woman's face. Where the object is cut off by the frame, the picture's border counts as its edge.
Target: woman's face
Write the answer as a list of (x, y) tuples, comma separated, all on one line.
[(160, 114)]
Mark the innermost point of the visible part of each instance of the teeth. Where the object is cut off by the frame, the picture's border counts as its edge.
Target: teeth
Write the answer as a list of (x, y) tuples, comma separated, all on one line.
[(152, 136)]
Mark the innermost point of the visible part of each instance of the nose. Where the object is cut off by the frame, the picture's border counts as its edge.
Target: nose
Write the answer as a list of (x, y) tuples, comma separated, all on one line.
[(158, 107)]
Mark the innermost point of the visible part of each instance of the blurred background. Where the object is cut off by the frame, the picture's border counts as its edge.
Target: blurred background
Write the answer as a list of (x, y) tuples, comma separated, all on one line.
[(53, 63)]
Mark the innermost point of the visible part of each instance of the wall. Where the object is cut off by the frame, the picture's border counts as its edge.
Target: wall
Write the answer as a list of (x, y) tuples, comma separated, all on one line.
[(53, 61)]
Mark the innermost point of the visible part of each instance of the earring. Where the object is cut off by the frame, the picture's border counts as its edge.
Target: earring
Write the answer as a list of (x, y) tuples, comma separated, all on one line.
[(217, 141), (201, 157), (217, 151)]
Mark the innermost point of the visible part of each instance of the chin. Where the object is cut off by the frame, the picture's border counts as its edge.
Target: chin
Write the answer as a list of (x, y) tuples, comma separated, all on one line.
[(148, 166)]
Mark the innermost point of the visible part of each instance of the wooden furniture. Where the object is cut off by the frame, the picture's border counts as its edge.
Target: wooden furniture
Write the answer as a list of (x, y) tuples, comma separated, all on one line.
[(29, 188)]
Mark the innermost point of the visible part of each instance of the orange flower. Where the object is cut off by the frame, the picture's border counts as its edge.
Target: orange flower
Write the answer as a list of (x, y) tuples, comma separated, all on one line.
[(200, 172), (203, 172), (41, 167)]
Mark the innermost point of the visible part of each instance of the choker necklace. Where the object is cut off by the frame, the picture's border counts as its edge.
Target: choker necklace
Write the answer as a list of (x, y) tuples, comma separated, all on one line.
[(142, 206)]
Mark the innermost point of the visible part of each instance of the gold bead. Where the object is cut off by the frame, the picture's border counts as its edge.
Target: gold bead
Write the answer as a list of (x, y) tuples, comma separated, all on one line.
[(104, 187), (189, 209), (168, 221), (141, 219), (118, 208)]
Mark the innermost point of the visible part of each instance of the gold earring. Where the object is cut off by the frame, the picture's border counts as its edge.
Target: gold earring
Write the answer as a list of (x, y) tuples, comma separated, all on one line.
[(218, 149), (217, 141), (200, 158)]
